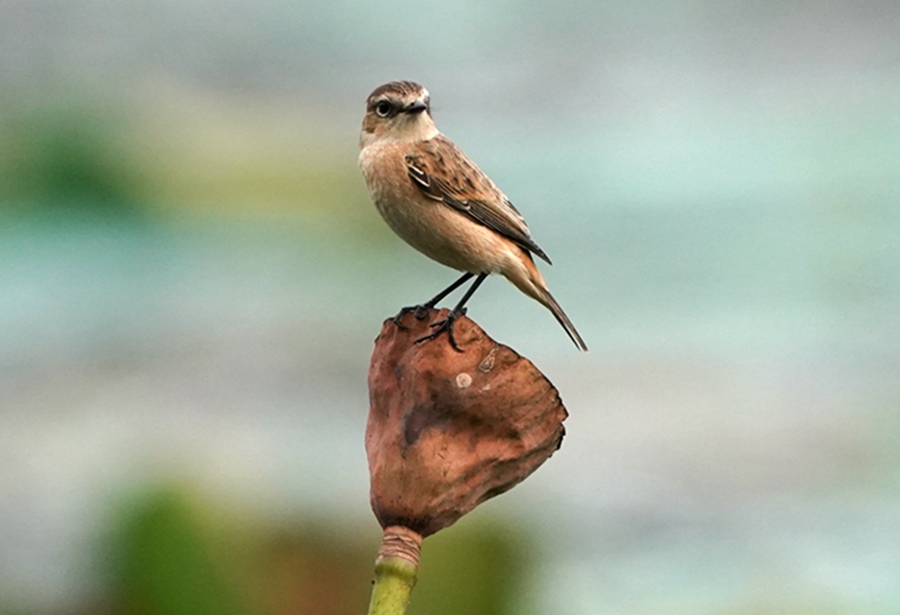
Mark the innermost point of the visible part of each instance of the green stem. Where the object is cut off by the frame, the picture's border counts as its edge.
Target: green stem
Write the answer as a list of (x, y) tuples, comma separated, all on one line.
[(394, 580)]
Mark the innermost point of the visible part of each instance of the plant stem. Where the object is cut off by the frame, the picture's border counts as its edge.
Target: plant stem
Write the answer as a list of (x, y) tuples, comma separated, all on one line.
[(395, 571), (394, 580)]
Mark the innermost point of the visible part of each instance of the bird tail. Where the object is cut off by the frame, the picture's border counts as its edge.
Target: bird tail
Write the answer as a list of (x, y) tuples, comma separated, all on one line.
[(530, 281), (561, 317)]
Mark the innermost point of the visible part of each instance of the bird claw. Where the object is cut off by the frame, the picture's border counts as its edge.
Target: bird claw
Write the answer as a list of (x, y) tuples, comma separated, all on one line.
[(419, 311), (445, 324), (398, 319)]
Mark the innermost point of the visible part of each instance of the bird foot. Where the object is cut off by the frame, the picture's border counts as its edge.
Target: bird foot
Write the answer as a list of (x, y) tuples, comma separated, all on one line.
[(419, 311), (445, 324)]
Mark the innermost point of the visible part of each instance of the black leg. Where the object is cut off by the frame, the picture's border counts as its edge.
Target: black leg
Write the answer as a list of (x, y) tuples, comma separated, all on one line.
[(422, 310), (460, 309), (465, 277)]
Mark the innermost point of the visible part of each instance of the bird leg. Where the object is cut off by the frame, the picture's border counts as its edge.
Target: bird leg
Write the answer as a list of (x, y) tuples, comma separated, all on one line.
[(447, 323), (421, 311)]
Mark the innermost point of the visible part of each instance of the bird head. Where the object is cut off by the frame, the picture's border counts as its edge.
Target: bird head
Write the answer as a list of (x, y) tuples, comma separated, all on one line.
[(398, 111)]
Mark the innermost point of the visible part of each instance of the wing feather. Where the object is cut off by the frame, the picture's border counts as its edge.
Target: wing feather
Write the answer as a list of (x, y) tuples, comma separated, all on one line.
[(445, 174)]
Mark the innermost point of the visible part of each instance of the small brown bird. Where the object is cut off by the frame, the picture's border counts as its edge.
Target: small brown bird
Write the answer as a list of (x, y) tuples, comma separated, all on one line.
[(438, 201)]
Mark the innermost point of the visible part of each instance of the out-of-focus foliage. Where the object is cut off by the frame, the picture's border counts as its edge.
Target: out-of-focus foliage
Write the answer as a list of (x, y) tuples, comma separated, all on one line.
[(171, 156), (174, 559), (175, 552), (475, 568), (74, 153)]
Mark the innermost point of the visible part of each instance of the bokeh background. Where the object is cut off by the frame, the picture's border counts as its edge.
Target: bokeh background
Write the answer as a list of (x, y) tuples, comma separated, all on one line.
[(191, 277)]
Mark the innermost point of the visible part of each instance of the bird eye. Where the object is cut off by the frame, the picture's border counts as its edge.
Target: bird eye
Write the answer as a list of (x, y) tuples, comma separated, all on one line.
[(383, 109)]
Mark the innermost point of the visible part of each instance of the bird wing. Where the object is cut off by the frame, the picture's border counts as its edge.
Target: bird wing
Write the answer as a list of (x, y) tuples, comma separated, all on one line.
[(445, 174)]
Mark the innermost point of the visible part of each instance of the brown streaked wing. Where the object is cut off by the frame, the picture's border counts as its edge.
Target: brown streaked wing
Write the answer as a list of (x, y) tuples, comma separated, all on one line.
[(444, 173)]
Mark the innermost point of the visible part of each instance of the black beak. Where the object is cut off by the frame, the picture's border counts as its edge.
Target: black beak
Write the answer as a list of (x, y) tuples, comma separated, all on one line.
[(415, 107)]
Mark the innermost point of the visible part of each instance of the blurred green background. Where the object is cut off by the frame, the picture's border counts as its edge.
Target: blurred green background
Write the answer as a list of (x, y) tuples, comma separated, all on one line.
[(191, 277)]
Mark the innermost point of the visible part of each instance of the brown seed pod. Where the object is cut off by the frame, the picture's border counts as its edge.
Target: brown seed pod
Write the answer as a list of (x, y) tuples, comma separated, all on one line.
[(448, 430)]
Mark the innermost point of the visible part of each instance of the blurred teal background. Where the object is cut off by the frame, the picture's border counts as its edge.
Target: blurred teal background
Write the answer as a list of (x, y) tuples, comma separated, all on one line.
[(191, 277)]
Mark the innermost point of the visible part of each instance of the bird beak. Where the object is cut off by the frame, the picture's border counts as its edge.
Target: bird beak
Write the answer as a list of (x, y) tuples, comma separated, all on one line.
[(415, 107)]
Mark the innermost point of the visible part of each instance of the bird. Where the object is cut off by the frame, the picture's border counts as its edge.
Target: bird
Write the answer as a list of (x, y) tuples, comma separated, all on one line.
[(437, 200)]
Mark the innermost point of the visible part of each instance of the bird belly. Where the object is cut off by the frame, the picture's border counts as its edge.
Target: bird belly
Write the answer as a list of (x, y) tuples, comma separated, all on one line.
[(444, 235)]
